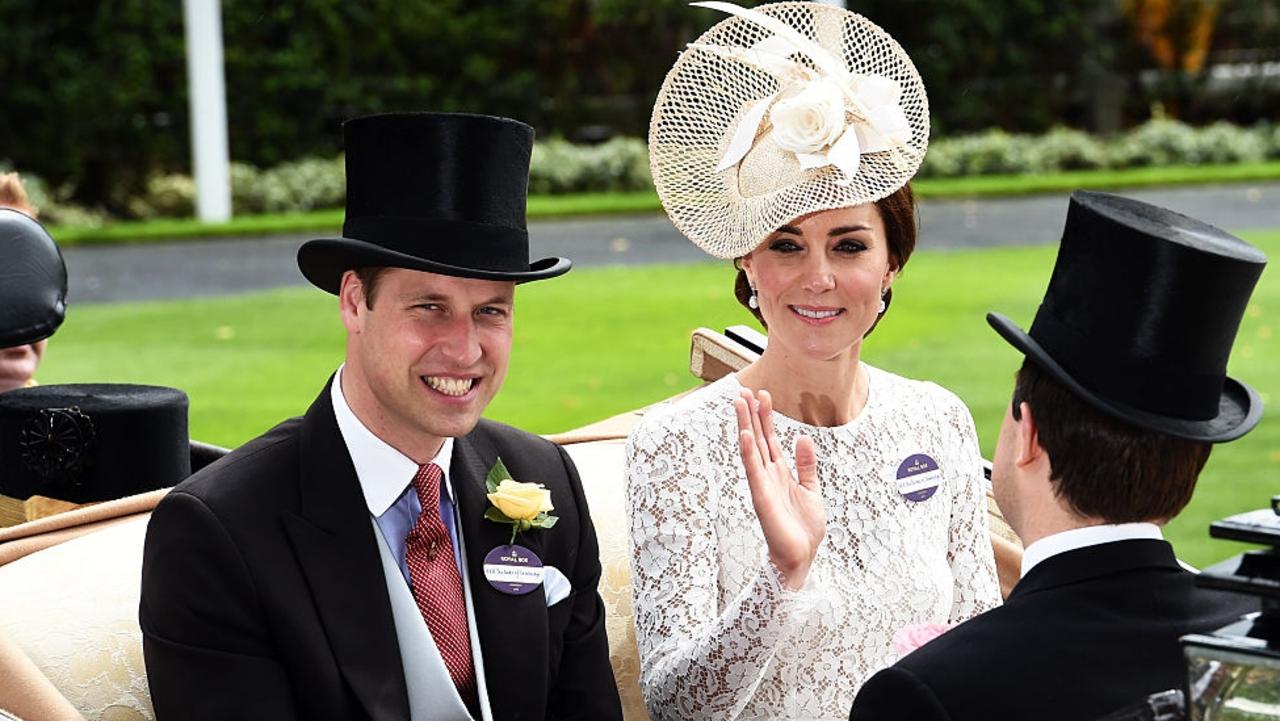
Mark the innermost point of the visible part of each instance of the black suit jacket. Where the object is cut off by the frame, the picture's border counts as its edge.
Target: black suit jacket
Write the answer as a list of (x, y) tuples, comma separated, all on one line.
[(263, 596), (1085, 633)]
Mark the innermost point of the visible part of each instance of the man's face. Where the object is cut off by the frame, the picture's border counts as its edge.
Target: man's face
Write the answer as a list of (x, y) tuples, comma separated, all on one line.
[(18, 364), (1003, 480), (426, 359)]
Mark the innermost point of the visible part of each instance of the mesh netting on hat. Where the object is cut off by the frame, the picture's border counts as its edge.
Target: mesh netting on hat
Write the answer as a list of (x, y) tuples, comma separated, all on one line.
[(704, 98)]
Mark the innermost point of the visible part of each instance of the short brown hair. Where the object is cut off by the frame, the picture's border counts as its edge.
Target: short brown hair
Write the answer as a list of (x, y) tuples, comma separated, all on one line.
[(898, 213), (369, 276), (1104, 467)]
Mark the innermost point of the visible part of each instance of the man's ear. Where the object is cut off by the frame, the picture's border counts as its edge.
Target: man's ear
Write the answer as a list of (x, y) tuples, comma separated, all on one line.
[(1027, 438), (351, 301)]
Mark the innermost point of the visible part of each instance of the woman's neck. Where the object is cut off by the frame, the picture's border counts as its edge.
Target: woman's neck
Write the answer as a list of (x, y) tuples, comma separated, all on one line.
[(819, 393)]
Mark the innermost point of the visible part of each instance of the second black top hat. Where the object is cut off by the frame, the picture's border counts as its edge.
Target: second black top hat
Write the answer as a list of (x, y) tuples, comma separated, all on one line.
[(92, 442), (1140, 315)]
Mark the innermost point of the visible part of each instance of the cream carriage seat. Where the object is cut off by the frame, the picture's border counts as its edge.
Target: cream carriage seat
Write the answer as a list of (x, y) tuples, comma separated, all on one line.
[(69, 597), (69, 584)]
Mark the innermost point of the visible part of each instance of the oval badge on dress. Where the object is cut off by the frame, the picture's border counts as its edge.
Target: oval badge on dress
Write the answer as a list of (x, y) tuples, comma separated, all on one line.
[(514, 570), (918, 478)]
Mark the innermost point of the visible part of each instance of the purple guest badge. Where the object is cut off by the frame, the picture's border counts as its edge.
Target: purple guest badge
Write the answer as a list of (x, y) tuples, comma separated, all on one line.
[(514, 570), (918, 478)]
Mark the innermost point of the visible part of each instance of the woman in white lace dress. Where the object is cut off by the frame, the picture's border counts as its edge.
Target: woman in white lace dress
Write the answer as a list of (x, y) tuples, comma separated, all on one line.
[(759, 594)]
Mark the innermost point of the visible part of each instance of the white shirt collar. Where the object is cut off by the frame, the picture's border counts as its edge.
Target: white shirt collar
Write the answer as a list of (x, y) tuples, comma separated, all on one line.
[(383, 471), (1083, 537)]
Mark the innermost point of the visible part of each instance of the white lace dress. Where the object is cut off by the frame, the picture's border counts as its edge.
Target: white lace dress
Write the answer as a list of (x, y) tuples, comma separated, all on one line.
[(719, 636)]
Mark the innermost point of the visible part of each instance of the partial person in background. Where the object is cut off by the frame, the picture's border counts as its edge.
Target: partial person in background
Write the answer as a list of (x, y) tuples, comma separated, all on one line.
[(33, 286), (1121, 394), (784, 138)]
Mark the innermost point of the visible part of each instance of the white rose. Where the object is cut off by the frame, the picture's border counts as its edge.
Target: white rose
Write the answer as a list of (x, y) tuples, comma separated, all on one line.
[(810, 120)]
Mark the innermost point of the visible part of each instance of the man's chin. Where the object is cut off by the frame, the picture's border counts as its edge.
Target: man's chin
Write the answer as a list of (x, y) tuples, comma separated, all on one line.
[(450, 425)]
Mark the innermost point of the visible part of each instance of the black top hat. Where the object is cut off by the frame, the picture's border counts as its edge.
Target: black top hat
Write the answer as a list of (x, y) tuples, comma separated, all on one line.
[(92, 442), (439, 192), (1140, 314), (33, 281)]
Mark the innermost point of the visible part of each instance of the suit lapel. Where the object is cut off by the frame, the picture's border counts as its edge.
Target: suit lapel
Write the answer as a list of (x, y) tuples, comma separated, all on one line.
[(512, 629), (333, 541), (1092, 562)]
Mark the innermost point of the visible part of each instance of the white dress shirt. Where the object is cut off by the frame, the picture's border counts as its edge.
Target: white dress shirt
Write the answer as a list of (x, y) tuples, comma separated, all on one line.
[(386, 479), (1075, 538)]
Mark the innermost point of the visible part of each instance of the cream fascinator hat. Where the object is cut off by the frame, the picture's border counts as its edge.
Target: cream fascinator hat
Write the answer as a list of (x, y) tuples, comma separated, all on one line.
[(782, 111)]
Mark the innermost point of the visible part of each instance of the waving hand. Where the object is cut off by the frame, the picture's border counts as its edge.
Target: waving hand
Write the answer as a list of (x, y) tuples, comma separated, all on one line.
[(791, 512)]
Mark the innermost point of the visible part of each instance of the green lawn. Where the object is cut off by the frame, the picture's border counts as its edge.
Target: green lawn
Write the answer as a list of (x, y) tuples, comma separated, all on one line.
[(601, 341), (646, 201)]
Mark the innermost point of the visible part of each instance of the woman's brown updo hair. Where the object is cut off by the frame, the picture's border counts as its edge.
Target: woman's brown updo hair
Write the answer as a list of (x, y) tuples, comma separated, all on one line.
[(898, 213)]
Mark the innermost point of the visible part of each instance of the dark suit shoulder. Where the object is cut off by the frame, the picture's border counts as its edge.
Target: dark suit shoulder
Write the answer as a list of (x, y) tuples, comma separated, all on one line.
[(511, 442), (978, 643), (258, 472), (1116, 634), (895, 694)]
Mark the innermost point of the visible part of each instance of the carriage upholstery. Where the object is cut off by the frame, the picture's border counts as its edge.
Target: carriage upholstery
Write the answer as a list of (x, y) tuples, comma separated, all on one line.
[(69, 584)]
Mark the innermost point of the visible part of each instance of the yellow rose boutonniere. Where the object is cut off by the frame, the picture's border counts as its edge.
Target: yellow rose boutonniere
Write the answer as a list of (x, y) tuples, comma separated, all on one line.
[(523, 505)]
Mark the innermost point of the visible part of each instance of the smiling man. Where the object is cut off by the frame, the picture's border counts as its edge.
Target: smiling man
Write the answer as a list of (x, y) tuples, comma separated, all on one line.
[(354, 563)]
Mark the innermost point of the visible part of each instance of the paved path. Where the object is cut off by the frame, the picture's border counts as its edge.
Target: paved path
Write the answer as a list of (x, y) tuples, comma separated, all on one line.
[(224, 266)]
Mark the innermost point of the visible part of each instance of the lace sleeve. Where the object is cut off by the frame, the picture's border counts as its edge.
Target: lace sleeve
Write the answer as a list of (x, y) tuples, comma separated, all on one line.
[(973, 564), (698, 660)]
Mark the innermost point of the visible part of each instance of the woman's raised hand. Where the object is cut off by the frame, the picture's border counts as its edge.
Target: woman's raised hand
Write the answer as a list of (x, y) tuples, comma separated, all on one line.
[(791, 511)]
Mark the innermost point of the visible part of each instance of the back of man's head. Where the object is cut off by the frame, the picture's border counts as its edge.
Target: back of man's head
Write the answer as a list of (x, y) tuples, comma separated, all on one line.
[(1102, 467)]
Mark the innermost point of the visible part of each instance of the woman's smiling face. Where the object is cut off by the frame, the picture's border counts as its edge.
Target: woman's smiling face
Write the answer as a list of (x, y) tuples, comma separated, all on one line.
[(820, 278)]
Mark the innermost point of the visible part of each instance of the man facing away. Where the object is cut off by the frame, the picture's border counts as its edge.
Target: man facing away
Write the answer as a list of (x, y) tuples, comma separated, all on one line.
[(354, 563), (1122, 391)]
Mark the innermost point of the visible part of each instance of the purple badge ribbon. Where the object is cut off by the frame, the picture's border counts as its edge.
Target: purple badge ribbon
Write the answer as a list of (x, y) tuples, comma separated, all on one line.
[(918, 478), (513, 570)]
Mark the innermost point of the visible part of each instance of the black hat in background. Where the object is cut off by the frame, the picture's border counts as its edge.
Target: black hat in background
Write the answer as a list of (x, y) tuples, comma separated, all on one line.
[(33, 281), (1140, 315), (439, 192), (92, 442)]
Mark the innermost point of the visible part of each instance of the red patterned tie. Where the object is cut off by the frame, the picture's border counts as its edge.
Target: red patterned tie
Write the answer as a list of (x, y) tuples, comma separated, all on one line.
[(437, 587)]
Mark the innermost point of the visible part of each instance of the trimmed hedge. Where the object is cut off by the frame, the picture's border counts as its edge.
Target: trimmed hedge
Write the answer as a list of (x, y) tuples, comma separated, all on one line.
[(622, 164), (1154, 143)]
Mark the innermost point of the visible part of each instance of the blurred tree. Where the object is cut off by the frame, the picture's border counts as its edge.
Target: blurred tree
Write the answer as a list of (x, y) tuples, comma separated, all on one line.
[(1246, 53), (294, 72), (90, 92), (1177, 35), (95, 93), (1013, 64), (1176, 32)]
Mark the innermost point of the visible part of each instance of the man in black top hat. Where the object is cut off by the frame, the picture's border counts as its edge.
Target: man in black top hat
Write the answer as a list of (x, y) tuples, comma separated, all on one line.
[(378, 557), (1121, 393)]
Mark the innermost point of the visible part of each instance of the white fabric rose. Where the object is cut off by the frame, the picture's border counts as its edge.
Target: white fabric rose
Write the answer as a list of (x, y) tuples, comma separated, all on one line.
[(886, 124), (810, 120)]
